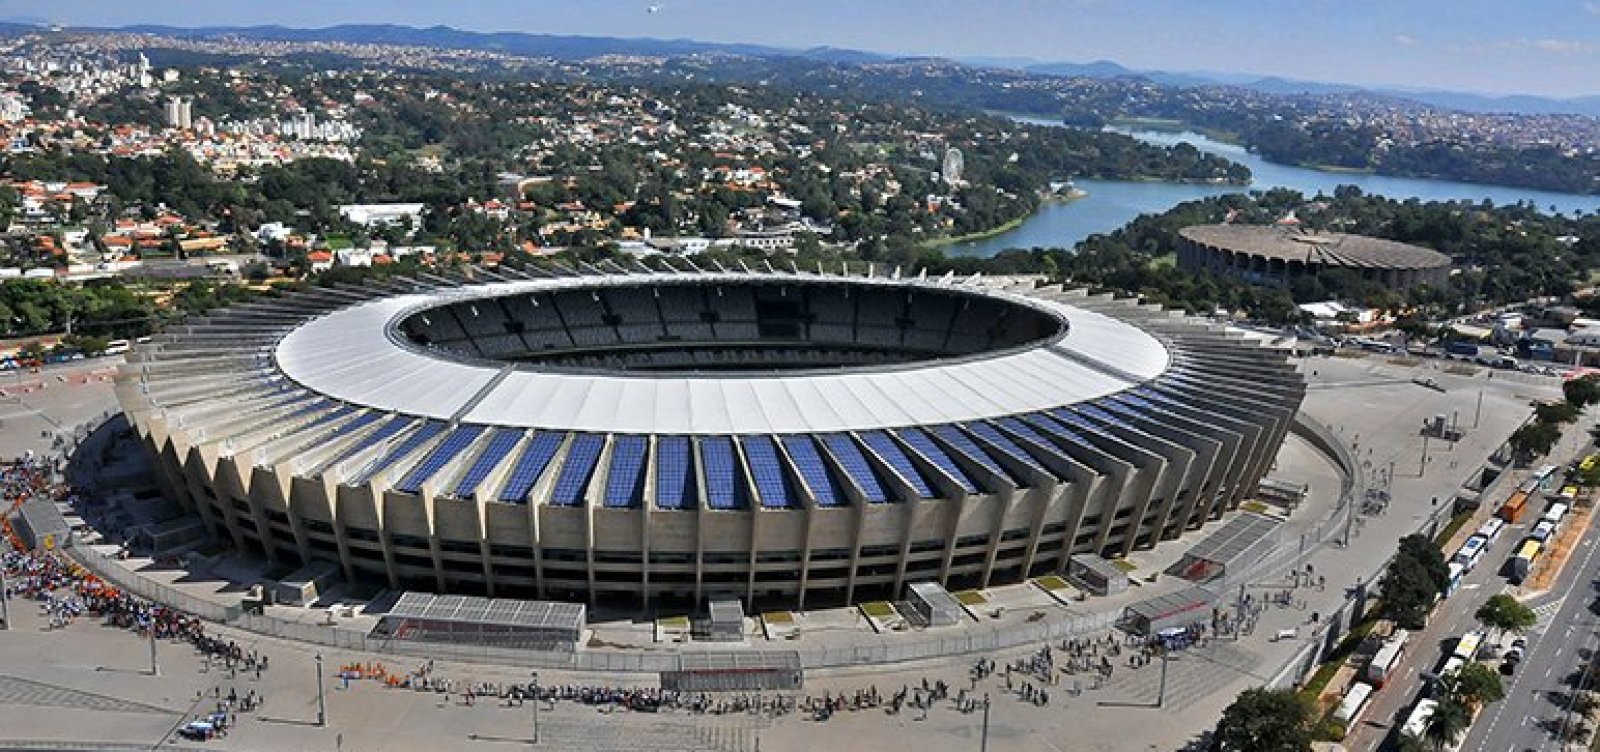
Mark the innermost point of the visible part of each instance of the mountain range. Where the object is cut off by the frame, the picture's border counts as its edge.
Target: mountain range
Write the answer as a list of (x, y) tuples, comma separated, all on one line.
[(568, 47)]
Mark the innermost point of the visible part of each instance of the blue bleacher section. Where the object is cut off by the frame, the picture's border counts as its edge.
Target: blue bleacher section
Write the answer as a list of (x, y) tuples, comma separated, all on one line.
[(922, 444), (725, 485), (674, 482), (577, 470), (625, 479), (421, 436), (968, 448), (500, 445), (384, 433), (856, 466), (531, 465), (1023, 430), (766, 469), (824, 487), (454, 444), (884, 446)]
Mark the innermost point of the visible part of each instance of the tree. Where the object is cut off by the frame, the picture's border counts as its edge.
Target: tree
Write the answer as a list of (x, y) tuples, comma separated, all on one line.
[(1413, 581), (1582, 392), (1555, 412), (1504, 613), (1264, 720), (1449, 720), (1477, 685), (1534, 439)]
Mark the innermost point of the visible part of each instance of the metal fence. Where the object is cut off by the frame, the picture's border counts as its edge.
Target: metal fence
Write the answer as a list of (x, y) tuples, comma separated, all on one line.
[(112, 571)]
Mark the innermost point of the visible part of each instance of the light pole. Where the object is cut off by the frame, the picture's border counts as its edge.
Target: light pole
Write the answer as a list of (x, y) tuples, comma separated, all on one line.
[(155, 670), (983, 741), (535, 708), (5, 606), (322, 706)]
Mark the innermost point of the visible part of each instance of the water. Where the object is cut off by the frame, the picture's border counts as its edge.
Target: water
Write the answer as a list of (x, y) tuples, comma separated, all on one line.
[(1112, 204)]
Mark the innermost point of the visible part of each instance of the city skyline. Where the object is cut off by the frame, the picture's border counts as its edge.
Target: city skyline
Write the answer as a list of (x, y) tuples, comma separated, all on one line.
[(1544, 48)]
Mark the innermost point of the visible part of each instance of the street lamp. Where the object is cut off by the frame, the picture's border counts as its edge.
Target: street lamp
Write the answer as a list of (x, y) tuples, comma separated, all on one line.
[(322, 707), (535, 690)]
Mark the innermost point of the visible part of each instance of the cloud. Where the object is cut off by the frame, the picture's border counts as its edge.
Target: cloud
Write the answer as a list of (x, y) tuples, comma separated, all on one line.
[(1405, 40), (1561, 46)]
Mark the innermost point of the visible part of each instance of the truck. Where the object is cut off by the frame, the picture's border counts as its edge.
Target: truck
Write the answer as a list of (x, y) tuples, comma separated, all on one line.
[(1462, 349), (1512, 510)]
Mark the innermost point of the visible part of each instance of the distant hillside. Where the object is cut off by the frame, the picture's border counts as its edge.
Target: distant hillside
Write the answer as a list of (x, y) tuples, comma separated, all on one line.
[(567, 47), (561, 47)]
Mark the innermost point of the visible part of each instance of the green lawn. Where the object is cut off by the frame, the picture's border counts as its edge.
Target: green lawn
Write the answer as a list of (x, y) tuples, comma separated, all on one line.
[(879, 610)]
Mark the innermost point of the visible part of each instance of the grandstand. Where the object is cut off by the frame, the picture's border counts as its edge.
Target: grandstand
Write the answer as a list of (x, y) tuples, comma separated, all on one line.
[(791, 439)]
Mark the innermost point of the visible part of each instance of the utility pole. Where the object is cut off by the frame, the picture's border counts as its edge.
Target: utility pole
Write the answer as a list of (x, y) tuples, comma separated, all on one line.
[(983, 741), (322, 705), (1478, 412), (535, 708), (155, 670), (5, 606), (1161, 695), (1423, 469)]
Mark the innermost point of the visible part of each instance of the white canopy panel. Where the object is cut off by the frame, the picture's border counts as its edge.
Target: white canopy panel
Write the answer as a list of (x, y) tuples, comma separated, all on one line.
[(354, 354)]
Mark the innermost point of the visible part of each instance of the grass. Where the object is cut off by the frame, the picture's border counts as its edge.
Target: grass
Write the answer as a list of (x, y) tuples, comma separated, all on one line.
[(1124, 564), (971, 598), (1165, 261), (879, 610), (1318, 683), (1449, 531), (1007, 227), (673, 622), (1254, 506), (1461, 370), (778, 617), (1051, 582)]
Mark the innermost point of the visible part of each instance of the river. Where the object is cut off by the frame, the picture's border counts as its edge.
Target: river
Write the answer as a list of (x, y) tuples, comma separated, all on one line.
[(1112, 204)]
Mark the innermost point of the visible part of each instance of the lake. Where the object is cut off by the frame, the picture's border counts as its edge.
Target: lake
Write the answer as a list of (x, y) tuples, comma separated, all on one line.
[(1112, 204)]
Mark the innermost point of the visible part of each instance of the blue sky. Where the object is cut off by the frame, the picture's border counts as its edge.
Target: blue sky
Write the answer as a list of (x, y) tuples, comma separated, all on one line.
[(1547, 47)]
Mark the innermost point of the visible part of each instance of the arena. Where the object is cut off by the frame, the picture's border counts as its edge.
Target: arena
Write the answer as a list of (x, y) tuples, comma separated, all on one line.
[(657, 437), (1277, 256)]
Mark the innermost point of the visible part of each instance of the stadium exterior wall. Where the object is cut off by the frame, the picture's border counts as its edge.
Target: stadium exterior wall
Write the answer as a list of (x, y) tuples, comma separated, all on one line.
[(1144, 479)]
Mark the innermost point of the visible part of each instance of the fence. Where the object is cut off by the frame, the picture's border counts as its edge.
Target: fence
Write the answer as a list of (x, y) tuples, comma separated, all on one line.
[(113, 572)]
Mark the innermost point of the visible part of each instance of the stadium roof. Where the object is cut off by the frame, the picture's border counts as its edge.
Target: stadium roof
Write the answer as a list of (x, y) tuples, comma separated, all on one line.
[(354, 354), (1324, 248)]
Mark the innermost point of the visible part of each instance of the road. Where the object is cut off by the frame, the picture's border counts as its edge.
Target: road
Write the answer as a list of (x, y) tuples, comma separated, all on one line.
[(1537, 695)]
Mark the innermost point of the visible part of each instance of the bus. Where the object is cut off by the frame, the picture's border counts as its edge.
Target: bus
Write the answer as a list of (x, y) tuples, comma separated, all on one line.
[(1511, 511), (1522, 563), (1353, 704), (1555, 514), (1471, 552), (1543, 531), (1490, 530), (1387, 658), (1416, 725), (1467, 646), (1457, 569), (1417, 722), (117, 347)]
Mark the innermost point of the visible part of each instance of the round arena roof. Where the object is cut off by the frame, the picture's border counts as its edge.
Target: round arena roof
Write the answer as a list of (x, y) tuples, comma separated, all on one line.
[(1318, 248), (371, 354)]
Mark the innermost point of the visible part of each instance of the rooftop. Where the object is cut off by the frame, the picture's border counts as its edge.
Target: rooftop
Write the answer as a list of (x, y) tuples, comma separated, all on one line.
[(1323, 248)]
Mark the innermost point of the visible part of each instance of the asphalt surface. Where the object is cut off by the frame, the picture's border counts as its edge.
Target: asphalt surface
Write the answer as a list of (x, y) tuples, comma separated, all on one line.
[(1536, 696)]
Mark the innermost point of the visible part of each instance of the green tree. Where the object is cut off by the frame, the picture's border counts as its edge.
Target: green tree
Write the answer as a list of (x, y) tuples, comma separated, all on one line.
[(1477, 685), (1413, 582), (1264, 720), (1555, 412), (1448, 721), (1503, 613), (1534, 439), (1582, 392)]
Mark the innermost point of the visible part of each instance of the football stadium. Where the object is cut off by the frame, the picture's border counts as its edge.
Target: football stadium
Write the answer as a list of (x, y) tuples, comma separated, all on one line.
[(673, 437)]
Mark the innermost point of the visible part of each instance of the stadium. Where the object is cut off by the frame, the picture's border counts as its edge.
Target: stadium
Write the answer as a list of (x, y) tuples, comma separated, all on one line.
[(670, 437), (1277, 255)]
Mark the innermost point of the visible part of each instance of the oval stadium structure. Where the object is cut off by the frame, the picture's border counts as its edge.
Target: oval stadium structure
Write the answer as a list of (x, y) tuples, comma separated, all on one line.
[(1277, 255), (660, 437)]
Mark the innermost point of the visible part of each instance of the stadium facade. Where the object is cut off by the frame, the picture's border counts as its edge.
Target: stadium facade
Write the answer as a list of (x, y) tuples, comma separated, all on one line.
[(782, 438), (1277, 255)]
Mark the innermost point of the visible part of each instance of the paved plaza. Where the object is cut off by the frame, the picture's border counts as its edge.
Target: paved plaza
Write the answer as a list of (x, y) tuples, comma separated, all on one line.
[(90, 683)]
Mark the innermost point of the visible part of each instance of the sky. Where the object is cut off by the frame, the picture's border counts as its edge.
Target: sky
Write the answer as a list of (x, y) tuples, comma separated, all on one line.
[(1547, 47)]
